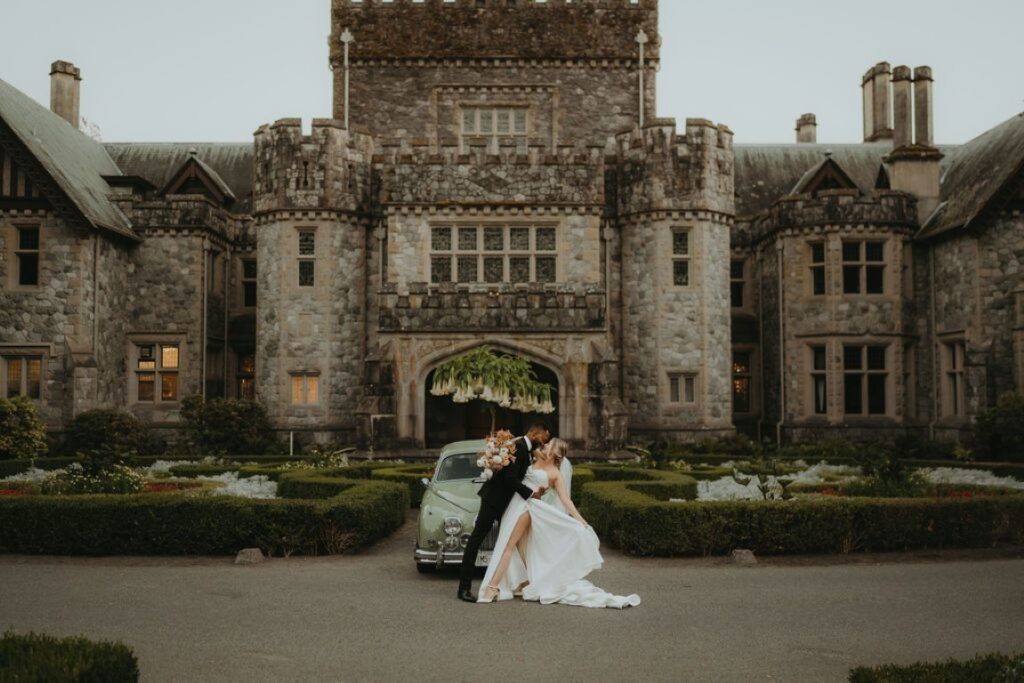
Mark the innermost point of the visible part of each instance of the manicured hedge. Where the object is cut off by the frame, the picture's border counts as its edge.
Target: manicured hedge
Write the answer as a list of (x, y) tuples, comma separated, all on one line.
[(627, 515), (168, 524), (995, 668), (37, 657), (655, 484), (410, 476)]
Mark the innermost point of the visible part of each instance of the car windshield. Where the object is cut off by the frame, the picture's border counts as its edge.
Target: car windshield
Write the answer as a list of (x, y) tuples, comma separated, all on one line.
[(458, 466)]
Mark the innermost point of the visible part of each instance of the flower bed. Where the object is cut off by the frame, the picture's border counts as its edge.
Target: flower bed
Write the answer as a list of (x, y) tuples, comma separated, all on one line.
[(37, 657), (994, 668), (639, 518), (173, 524)]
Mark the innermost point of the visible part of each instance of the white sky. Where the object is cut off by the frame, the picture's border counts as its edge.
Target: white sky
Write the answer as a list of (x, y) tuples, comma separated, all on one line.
[(214, 70)]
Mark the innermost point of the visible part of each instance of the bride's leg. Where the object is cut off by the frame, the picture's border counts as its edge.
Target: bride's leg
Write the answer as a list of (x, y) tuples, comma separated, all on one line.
[(522, 526)]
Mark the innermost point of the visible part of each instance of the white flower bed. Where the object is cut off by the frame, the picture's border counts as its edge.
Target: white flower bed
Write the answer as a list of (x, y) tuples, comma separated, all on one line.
[(955, 475), (33, 475), (728, 488), (251, 487)]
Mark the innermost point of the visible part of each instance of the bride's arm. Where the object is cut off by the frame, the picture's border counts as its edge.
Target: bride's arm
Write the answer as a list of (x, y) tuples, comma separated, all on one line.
[(563, 495)]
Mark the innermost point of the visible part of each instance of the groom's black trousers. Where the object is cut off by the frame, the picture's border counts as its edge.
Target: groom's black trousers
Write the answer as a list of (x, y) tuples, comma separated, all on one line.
[(489, 514)]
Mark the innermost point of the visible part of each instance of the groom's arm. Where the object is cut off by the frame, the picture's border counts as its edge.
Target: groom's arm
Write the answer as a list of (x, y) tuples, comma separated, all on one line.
[(511, 478)]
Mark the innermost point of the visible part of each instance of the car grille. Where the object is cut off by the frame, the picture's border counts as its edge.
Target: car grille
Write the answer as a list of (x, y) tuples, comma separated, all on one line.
[(491, 539)]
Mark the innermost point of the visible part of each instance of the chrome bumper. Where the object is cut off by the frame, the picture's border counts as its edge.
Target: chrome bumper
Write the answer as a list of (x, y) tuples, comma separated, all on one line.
[(441, 558)]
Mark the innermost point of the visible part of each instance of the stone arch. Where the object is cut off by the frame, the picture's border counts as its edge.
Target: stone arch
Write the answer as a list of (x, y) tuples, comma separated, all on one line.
[(555, 365)]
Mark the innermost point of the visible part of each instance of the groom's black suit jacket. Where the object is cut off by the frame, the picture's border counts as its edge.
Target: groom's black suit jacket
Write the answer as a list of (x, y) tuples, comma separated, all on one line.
[(500, 488)]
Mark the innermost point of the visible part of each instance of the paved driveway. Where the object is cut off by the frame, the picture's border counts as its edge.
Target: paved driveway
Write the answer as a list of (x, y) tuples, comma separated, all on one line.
[(373, 618)]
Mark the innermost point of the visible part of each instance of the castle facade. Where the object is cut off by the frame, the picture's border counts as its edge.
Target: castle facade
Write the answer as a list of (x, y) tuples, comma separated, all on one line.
[(495, 173)]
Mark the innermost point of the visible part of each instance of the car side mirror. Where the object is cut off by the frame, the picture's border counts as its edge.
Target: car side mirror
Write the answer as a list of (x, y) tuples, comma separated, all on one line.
[(426, 482)]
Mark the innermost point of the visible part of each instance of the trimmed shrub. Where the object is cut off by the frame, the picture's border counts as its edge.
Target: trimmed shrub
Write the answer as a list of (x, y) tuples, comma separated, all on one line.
[(226, 426), (105, 437), (38, 657), (999, 430), (22, 433), (628, 516), (410, 476), (172, 524), (994, 668)]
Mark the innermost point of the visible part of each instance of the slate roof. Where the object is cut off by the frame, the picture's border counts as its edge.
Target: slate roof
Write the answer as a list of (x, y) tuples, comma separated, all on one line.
[(158, 162), (766, 173), (975, 172), (76, 162)]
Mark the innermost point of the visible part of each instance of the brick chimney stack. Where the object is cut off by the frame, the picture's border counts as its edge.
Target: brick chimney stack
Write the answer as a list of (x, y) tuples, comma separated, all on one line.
[(807, 129), (914, 161), (903, 106), (924, 125), (65, 91)]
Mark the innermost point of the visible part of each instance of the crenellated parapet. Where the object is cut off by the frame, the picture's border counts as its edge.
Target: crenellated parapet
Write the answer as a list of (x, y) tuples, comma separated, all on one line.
[(495, 29), (507, 175), (659, 170), (846, 208), (330, 169)]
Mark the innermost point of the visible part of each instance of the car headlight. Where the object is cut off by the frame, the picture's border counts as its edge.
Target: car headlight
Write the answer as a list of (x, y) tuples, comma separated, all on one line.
[(452, 526), (452, 543)]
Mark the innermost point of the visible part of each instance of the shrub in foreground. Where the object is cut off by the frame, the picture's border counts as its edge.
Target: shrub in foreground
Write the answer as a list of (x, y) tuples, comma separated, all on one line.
[(991, 668), (172, 524), (22, 433), (37, 657), (105, 437), (999, 430)]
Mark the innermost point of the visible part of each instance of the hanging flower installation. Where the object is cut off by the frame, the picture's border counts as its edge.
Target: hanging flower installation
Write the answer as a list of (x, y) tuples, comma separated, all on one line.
[(482, 374)]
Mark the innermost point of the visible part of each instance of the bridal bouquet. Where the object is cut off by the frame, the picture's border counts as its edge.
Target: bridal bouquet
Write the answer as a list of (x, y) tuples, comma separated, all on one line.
[(499, 454)]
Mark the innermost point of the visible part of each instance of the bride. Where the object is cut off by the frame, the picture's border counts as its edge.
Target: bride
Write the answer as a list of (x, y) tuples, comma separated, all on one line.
[(546, 549)]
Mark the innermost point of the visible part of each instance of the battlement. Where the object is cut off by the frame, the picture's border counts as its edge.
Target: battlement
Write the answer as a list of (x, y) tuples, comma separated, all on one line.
[(424, 174), (328, 169), (495, 29), (885, 208), (658, 169)]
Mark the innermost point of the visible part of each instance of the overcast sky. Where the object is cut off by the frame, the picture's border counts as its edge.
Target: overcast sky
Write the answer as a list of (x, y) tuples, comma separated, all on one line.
[(214, 70)]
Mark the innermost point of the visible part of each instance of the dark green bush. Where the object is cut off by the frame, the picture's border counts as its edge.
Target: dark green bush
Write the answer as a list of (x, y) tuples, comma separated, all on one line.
[(22, 433), (907, 486), (999, 430), (627, 515), (105, 437), (989, 668), (410, 476), (37, 657), (171, 524), (226, 426)]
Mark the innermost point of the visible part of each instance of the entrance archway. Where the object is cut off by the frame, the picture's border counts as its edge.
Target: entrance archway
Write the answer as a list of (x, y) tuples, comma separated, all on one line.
[(447, 421)]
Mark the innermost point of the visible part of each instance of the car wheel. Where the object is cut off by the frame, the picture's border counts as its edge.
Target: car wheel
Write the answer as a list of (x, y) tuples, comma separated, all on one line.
[(425, 568)]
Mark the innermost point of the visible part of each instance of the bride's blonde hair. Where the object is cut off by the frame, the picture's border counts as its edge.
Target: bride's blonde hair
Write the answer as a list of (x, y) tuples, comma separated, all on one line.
[(558, 450)]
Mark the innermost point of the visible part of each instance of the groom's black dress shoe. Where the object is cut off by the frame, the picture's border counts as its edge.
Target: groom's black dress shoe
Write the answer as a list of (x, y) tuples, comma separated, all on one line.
[(466, 594)]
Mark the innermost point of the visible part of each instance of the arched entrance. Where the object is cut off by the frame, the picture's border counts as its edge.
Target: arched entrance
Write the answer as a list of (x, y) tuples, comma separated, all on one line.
[(447, 421)]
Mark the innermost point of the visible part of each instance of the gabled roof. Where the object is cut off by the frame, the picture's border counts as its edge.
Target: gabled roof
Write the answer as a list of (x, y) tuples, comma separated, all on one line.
[(976, 172), (826, 174), (194, 167), (766, 173), (159, 162), (76, 162)]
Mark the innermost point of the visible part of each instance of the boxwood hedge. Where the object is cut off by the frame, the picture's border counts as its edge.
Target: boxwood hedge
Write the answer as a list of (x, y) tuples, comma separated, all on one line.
[(37, 657), (996, 668), (358, 514), (636, 517)]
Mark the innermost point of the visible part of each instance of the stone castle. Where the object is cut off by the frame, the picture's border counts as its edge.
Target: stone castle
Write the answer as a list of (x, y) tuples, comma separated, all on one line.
[(494, 172)]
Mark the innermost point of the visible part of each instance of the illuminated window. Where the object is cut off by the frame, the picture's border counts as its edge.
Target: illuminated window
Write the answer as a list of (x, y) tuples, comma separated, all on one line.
[(22, 376), (305, 388), (741, 381), (247, 376), (156, 372)]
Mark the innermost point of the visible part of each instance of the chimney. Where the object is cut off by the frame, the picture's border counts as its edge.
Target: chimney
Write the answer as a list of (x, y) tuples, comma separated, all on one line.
[(877, 110), (903, 107), (65, 91), (807, 129), (924, 126), (914, 161)]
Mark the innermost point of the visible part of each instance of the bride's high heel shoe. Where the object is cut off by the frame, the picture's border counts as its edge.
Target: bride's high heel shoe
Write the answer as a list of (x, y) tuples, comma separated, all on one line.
[(518, 592), (490, 594)]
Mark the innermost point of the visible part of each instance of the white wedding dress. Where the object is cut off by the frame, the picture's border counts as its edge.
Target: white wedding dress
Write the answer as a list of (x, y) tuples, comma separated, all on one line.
[(558, 553)]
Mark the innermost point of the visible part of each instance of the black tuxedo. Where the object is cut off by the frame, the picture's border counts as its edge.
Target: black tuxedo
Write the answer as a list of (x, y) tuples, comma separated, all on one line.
[(495, 495)]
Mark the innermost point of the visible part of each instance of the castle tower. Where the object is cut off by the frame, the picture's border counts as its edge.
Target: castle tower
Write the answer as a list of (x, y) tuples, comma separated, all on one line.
[(563, 71), (310, 195)]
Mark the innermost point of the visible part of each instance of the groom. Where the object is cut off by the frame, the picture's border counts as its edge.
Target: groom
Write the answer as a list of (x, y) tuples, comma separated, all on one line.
[(495, 495)]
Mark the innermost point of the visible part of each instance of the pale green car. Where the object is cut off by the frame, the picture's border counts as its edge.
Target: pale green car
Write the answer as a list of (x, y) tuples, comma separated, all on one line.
[(449, 508)]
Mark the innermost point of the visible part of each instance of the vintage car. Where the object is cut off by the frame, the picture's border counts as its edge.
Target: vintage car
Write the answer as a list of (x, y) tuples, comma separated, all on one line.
[(449, 508)]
